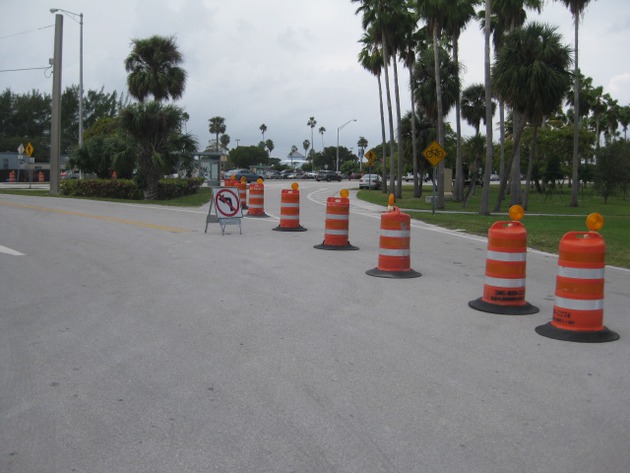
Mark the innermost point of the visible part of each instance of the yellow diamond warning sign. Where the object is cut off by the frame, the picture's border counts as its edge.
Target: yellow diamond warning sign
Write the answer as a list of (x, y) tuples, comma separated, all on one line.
[(29, 149), (434, 153)]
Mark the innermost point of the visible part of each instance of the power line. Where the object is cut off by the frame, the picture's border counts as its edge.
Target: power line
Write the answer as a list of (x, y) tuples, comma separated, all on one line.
[(25, 69), (26, 32)]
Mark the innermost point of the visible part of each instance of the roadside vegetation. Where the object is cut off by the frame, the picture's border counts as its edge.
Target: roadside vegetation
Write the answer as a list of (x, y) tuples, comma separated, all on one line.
[(549, 217)]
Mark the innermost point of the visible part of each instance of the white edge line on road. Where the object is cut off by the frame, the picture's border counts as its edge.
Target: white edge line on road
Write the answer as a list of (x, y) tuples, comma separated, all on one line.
[(9, 251)]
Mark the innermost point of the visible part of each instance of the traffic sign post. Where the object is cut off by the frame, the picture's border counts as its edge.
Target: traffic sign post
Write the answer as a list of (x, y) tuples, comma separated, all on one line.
[(434, 153), (227, 207)]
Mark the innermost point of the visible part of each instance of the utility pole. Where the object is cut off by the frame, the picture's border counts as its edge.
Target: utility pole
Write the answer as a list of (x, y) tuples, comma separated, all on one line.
[(55, 129)]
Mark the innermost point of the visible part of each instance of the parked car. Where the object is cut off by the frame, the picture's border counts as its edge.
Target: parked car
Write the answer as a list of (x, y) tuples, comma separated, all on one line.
[(327, 176), (250, 176), (273, 175), (370, 181)]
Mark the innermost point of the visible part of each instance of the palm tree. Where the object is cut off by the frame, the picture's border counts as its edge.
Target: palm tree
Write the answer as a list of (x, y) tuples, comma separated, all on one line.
[(577, 9), (377, 23), (156, 130), (322, 130), (312, 122), (270, 146), (216, 126), (508, 16), (263, 129), (435, 13), (225, 141), (371, 58), (153, 67), (361, 145), (531, 75), (484, 208), (306, 145), (473, 105), (456, 22)]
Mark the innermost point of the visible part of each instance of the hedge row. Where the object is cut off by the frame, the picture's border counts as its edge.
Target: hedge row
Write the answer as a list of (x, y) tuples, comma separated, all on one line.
[(128, 189)]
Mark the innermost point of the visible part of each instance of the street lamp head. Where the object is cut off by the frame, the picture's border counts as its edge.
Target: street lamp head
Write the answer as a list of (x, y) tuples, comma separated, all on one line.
[(54, 10)]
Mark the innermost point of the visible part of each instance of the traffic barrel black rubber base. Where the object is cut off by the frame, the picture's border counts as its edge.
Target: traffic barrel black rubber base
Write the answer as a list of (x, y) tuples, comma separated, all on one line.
[(299, 228), (257, 216), (525, 309), (600, 336), (379, 273), (336, 247)]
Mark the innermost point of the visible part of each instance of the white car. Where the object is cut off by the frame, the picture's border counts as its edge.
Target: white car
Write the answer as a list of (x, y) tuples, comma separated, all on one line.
[(370, 181)]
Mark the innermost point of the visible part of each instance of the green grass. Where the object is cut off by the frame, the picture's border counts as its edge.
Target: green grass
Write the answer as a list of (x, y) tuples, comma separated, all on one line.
[(547, 219)]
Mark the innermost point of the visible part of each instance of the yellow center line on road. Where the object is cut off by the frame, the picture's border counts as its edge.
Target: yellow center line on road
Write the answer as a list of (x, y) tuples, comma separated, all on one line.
[(98, 217)]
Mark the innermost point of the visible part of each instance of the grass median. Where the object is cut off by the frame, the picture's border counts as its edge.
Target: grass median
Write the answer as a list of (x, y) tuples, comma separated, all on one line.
[(547, 219)]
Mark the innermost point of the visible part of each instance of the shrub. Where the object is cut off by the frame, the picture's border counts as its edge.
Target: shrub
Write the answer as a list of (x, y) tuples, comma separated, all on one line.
[(107, 188), (173, 188)]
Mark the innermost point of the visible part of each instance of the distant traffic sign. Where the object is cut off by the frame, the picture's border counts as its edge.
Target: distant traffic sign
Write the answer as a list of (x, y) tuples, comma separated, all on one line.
[(434, 153), (371, 157), (29, 149)]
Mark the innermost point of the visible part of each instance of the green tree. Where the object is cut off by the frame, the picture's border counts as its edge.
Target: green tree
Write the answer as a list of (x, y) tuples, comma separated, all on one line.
[(216, 126), (270, 146), (612, 171), (224, 141), (153, 67), (531, 75), (577, 9), (263, 130), (153, 71), (246, 156)]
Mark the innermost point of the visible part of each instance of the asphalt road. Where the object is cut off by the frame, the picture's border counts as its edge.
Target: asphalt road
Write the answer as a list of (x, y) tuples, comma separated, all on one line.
[(132, 341)]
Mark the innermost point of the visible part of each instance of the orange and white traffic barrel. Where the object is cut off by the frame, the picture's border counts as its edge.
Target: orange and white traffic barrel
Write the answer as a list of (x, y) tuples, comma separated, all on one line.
[(257, 200), (578, 312), (504, 288), (394, 259), (40, 176), (12, 176), (337, 222), (242, 192), (290, 210)]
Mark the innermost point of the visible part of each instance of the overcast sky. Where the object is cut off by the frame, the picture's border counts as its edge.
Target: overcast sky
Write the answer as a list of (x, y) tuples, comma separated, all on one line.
[(276, 62)]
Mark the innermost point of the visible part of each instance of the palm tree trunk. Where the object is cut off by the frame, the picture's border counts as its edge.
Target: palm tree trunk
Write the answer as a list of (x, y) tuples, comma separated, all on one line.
[(503, 177), (459, 177), (414, 141), (530, 166), (383, 167), (485, 196), (440, 117), (515, 174), (576, 123), (392, 186), (399, 134)]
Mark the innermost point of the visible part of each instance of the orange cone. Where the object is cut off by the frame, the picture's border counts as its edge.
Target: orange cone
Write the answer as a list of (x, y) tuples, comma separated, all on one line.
[(12, 176), (394, 254), (578, 312), (257, 200), (290, 210), (337, 220), (40, 176), (504, 288)]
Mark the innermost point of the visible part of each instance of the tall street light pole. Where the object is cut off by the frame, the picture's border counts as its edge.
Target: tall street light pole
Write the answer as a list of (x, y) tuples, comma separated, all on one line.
[(339, 128), (80, 21)]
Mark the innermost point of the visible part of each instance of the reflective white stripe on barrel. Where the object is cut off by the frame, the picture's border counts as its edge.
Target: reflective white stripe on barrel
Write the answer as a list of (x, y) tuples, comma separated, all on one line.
[(289, 217), (391, 252), (504, 256), (395, 233), (289, 204), (336, 217), (580, 273), (579, 304), (329, 231), (504, 282)]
